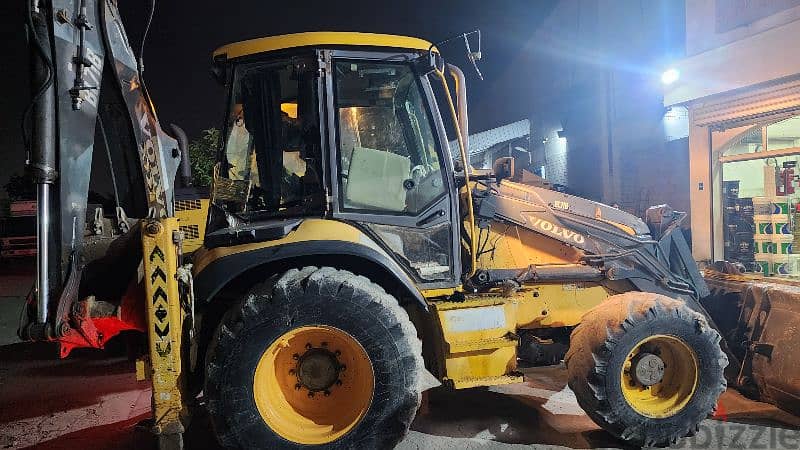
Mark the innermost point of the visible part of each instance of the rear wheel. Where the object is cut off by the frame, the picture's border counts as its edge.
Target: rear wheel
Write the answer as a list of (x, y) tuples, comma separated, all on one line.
[(314, 358), (646, 368)]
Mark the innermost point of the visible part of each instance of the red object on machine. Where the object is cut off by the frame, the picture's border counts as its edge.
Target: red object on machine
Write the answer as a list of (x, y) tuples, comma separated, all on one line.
[(94, 332)]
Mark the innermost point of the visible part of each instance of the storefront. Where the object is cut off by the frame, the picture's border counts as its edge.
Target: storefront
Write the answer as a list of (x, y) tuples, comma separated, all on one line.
[(745, 195), (759, 196), (741, 86)]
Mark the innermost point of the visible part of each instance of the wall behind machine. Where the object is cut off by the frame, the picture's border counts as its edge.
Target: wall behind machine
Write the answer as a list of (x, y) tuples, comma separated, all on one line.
[(603, 130)]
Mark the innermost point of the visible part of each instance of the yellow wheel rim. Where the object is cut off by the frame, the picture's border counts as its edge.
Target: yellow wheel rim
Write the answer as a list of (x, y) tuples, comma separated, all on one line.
[(313, 384), (660, 376)]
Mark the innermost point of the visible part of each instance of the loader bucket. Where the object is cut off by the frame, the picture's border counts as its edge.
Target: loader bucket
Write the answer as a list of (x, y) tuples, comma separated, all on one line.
[(770, 317), (761, 323)]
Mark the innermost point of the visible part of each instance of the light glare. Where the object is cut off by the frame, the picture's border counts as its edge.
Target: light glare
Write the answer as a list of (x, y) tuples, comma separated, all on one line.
[(670, 76)]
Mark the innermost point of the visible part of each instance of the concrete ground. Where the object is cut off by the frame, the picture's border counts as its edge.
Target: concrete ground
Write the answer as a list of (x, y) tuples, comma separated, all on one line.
[(92, 400), (16, 280)]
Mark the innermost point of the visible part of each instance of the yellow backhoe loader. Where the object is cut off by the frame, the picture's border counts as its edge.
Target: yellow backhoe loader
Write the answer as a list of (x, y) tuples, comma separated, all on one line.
[(349, 260)]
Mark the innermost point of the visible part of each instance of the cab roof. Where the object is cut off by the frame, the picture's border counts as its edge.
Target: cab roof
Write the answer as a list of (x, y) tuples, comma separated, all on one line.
[(319, 39)]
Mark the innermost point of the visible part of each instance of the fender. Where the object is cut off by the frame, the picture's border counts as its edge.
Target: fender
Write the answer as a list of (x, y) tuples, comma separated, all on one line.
[(217, 267)]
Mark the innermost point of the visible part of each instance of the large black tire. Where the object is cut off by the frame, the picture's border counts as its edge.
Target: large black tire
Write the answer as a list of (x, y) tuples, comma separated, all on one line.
[(314, 297), (601, 344)]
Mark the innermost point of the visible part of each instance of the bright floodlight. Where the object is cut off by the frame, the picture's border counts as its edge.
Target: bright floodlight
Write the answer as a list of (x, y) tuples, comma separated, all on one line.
[(670, 76)]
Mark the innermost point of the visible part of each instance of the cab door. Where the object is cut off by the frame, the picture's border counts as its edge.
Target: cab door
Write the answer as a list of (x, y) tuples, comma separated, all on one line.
[(391, 171)]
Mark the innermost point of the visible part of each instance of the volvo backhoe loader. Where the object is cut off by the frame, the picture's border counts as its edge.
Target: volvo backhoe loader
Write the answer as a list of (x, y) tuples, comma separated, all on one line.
[(348, 259)]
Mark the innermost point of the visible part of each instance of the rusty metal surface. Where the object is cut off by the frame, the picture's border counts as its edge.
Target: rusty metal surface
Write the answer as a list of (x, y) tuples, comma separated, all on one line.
[(766, 334), (773, 345)]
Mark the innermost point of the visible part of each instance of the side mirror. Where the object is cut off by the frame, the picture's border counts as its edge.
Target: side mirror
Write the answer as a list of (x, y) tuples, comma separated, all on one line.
[(429, 62), (503, 168)]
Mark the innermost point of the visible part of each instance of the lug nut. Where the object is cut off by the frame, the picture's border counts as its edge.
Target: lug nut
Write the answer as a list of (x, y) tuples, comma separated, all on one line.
[(295, 356), (308, 346), (337, 353), (343, 367), (311, 394), (327, 393), (291, 372), (297, 387)]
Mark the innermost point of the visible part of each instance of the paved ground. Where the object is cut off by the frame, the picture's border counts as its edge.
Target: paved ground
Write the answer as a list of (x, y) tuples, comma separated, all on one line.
[(15, 281), (92, 400)]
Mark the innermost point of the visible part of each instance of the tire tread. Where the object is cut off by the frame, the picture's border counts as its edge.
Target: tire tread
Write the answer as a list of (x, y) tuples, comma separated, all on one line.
[(329, 285), (593, 342)]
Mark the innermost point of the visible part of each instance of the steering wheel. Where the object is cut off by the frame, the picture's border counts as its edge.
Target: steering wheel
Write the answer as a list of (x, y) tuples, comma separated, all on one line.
[(419, 172)]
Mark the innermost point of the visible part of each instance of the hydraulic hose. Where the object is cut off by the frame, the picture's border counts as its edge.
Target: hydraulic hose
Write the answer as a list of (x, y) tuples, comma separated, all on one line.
[(140, 57), (32, 27)]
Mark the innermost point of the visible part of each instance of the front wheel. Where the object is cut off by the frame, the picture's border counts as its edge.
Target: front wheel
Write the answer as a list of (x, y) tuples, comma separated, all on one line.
[(646, 368), (316, 358)]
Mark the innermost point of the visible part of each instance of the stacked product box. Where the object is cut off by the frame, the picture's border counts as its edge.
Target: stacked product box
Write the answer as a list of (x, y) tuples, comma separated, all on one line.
[(796, 240), (774, 238), (739, 227)]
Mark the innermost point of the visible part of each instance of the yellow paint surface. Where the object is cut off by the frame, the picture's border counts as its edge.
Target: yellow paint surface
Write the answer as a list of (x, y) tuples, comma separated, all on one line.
[(320, 39)]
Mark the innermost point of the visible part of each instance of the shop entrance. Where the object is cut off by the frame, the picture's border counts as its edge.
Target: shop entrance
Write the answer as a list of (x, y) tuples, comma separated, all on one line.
[(757, 217)]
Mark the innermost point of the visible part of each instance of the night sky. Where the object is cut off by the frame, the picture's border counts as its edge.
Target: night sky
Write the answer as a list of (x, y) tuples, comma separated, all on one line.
[(517, 62), (178, 50)]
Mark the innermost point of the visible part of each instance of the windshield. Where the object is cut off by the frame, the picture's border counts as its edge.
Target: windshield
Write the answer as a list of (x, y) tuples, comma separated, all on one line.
[(388, 159), (270, 161)]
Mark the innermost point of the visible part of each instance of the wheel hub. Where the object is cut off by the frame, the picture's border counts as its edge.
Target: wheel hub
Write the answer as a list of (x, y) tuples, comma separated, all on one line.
[(648, 369), (313, 384), (318, 369)]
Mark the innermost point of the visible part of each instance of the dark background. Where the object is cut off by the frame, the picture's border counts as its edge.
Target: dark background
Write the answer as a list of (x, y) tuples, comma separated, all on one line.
[(522, 64), (178, 49)]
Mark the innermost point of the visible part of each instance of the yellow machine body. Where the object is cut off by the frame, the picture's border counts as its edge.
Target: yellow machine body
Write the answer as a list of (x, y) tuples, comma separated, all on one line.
[(192, 215), (473, 342), (476, 339), (320, 39), (307, 231)]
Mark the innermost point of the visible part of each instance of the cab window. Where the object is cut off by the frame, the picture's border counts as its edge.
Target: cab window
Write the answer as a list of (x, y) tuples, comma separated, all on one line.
[(388, 160), (270, 158)]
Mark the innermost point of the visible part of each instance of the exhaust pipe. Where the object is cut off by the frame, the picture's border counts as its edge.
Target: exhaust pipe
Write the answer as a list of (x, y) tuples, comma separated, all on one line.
[(183, 145), (461, 104)]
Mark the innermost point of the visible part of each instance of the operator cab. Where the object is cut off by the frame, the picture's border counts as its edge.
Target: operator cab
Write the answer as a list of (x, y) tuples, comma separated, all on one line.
[(339, 126)]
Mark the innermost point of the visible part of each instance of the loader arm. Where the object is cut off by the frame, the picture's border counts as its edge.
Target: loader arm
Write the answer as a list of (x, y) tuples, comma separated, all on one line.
[(619, 244)]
